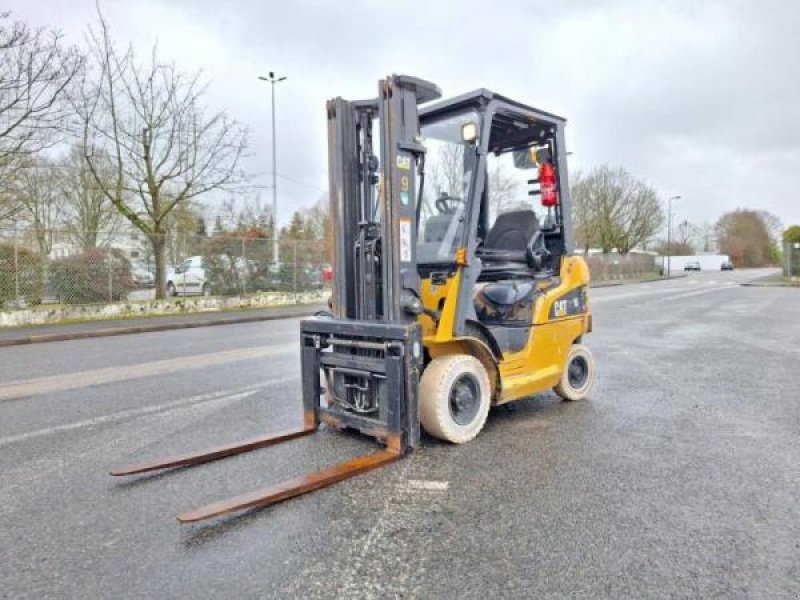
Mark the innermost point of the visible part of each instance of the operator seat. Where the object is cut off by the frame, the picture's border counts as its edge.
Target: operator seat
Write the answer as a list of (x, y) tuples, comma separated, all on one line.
[(514, 247), (436, 228)]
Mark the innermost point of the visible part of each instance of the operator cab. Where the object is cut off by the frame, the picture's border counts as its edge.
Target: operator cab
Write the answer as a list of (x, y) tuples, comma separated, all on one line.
[(493, 188)]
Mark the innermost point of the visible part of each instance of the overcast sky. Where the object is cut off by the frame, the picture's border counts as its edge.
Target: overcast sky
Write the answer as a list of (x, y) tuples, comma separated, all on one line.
[(702, 99)]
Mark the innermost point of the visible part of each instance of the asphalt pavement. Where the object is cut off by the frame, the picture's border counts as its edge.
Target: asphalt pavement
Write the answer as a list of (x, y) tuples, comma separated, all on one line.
[(678, 478)]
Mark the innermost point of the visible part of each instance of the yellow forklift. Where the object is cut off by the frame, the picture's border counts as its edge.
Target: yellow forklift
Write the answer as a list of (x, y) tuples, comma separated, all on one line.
[(455, 284)]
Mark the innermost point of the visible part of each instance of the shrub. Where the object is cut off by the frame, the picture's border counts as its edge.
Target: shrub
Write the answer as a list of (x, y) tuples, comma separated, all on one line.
[(792, 235), (84, 278), (31, 276)]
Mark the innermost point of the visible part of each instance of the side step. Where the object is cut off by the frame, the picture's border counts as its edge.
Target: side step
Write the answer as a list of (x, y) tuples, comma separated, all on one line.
[(293, 487), (203, 456)]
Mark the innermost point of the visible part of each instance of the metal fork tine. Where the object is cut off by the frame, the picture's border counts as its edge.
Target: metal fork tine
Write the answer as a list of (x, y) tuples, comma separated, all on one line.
[(210, 454), (293, 487)]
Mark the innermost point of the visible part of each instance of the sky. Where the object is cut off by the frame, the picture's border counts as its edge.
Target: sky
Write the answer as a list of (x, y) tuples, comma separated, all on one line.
[(701, 99)]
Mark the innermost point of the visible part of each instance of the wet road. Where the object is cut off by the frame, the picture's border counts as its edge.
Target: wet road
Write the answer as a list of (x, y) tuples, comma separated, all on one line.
[(680, 477)]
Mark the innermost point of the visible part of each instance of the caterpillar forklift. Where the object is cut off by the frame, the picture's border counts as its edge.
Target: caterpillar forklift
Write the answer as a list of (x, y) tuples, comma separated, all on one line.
[(455, 286)]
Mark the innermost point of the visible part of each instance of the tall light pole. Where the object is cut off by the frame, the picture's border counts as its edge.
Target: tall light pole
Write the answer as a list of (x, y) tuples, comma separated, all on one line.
[(669, 232), (275, 248)]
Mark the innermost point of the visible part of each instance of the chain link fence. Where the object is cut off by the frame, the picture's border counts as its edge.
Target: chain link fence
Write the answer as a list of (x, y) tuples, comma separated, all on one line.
[(605, 267), (49, 268)]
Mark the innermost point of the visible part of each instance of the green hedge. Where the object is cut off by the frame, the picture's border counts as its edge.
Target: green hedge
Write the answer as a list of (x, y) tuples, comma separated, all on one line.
[(84, 278)]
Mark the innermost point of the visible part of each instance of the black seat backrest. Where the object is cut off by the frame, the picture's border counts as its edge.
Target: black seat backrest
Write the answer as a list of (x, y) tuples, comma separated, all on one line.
[(512, 231)]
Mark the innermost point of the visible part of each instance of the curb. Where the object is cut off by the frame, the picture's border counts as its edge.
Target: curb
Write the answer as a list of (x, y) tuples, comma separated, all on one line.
[(776, 284), (131, 329), (679, 276), (613, 283)]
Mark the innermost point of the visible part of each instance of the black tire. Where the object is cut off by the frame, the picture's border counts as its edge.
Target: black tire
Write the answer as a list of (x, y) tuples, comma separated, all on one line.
[(171, 291), (577, 380), (454, 398)]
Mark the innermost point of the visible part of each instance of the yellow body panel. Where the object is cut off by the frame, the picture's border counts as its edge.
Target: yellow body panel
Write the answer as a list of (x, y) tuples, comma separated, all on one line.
[(540, 364)]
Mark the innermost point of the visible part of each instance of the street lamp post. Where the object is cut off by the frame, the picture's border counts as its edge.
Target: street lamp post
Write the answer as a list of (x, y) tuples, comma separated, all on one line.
[(272, 79), (669, 232)]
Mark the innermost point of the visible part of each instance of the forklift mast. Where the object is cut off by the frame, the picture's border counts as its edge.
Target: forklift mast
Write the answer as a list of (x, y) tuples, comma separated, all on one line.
[(370, 351), (373, 200)]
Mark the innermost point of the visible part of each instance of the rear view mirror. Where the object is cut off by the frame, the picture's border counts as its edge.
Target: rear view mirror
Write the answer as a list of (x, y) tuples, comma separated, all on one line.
[(525, 159), (531, 158)]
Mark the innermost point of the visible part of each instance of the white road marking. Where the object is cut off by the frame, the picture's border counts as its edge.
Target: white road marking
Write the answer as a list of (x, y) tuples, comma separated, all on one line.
[(682, 295), (663, 294), (422, 485), (73, 381), (210, 398)]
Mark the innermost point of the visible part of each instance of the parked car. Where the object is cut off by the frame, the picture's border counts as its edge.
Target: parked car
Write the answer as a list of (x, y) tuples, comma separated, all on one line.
[(142, 277), (692, 266), (189, 277), (218, 274), (286, 278), (726, 266)]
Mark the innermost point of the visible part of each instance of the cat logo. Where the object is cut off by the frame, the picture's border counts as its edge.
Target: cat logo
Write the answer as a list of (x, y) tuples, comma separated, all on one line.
[(569, 305)]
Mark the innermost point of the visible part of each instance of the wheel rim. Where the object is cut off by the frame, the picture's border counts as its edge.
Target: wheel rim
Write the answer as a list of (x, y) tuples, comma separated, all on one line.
[(578, 372), (464, 399)]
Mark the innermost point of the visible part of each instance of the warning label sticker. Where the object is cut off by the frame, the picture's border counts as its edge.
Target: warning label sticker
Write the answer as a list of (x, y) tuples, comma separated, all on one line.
[(405, 240)]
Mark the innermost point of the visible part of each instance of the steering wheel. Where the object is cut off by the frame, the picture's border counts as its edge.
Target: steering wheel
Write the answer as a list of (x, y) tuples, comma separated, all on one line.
[(447, 204)]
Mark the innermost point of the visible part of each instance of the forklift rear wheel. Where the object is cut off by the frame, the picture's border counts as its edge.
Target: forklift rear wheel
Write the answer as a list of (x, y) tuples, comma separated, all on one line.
[(578, 377), (454, 398)]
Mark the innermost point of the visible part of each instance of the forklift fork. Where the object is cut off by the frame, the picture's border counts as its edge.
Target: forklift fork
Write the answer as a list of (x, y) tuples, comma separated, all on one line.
[(270, 495), (204, 456), (389, 375), (293, 487)]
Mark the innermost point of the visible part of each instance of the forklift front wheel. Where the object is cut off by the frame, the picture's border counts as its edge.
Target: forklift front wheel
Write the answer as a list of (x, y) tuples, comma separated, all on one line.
[(454, 398), (578, 377)]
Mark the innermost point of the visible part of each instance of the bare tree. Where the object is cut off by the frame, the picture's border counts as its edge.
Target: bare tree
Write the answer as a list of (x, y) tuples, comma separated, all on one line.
[(9, 208), (674, 248), (745, 237), (615, 211), (707, 238), (584, 209), (318, 220), (146, 119), (689, 235), (90, 217), (773, 224), (445, 168), (35, 70), (505, 190), (448, 174), (36, 188), (240, 213)]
